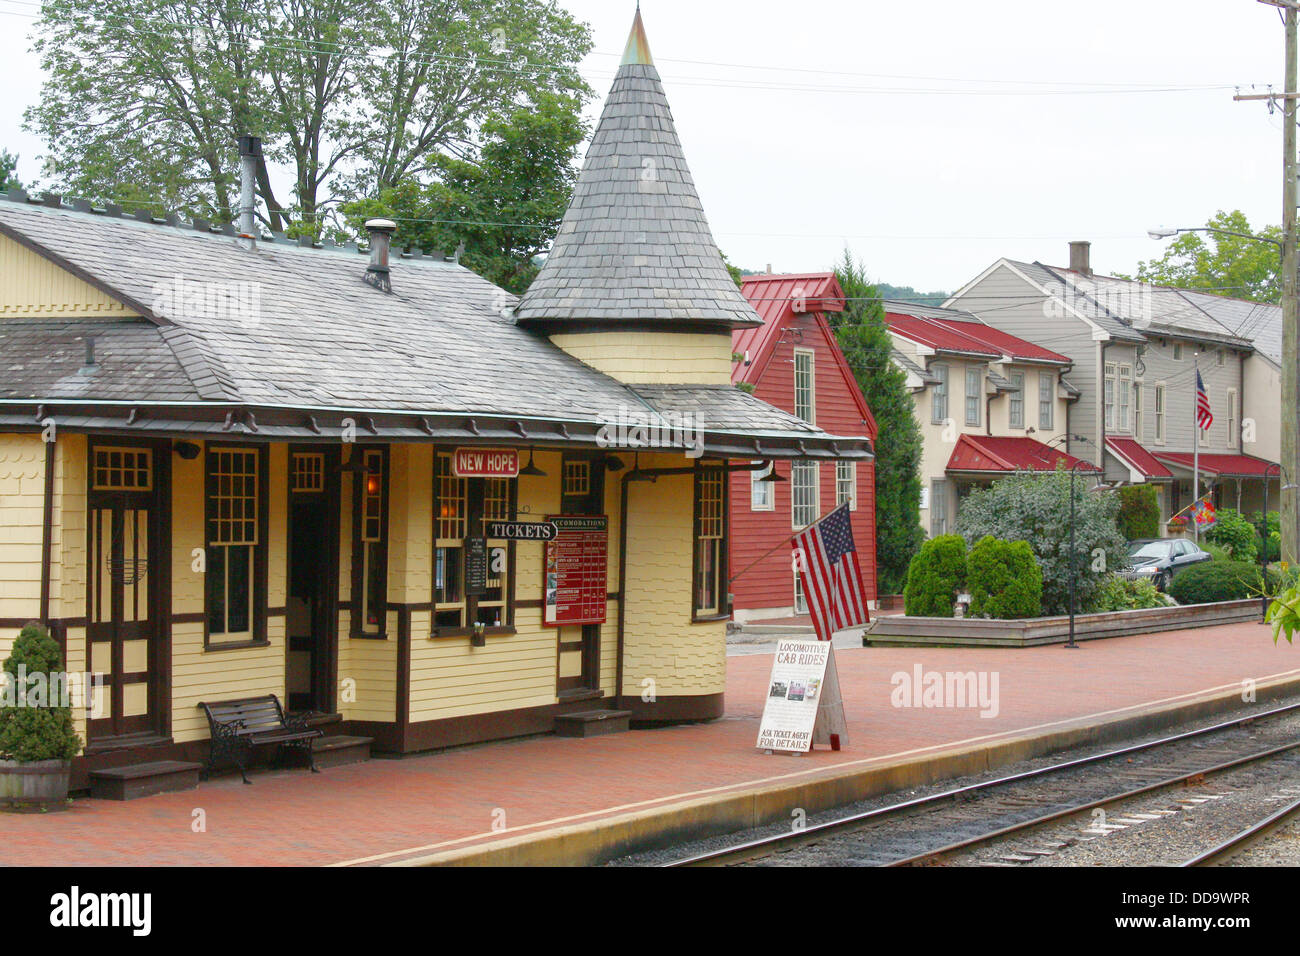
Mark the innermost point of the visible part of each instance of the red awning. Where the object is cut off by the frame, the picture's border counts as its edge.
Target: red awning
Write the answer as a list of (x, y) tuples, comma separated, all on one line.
[(1137, 458), (982, 453), (1221, 466)]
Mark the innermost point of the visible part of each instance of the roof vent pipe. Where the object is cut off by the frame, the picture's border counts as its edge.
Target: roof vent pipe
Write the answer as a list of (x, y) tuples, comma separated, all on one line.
[(1081, 258), (381, 237), (250, 151)]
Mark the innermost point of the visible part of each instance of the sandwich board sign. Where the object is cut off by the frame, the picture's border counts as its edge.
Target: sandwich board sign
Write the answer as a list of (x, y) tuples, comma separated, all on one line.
[(803, 706)]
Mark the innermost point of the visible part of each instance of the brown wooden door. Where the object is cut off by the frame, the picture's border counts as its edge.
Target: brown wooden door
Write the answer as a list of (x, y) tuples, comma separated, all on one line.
[(124, 555)]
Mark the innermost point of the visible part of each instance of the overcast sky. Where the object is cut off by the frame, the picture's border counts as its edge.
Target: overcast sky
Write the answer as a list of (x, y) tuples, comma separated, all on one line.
[(805, 130)]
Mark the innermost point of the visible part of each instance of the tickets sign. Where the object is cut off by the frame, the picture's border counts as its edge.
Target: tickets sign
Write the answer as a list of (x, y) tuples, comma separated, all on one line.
[(485, 463)]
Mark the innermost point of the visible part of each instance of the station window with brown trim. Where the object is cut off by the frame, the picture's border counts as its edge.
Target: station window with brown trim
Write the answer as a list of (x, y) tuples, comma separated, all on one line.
[(370, 543), (710, 571), (462, 506), (235, 555)]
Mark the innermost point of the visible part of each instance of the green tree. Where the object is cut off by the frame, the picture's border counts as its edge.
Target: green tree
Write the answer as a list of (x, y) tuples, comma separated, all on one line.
[(1035, 508), (350, 96), (1225, 265), (505, 204), (8, 164), (864, 338)]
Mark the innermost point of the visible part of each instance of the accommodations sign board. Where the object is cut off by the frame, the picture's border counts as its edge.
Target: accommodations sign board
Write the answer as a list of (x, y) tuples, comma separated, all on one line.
[(576, 560), (803, 699)]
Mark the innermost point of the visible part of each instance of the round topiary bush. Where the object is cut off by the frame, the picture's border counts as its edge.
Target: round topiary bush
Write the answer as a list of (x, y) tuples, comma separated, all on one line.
[(935, 576), (1217, 580), (32, 725), (1004, 579)]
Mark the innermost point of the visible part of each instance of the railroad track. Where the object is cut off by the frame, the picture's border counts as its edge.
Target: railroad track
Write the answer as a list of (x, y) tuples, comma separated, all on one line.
[(925, 830), (1233, 847)]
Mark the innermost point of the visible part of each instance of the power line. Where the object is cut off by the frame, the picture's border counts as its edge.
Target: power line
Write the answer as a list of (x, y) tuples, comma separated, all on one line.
[(316, 47)]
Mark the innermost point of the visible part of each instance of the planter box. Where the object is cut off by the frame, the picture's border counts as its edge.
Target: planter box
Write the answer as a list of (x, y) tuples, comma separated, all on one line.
[(38, 785), (977, 632)]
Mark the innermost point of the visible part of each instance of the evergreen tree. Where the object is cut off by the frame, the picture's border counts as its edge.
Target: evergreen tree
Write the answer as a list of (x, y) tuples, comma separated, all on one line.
[(8, 163), (864, 338)]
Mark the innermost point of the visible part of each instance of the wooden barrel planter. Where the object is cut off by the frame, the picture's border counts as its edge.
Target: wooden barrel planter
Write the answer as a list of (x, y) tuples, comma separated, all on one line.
[(34, 785)]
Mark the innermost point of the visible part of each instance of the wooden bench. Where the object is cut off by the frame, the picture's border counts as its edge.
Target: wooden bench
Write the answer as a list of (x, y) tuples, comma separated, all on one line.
[(237, 726)]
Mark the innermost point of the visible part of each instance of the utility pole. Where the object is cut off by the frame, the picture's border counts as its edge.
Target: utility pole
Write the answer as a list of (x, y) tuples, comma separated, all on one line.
[(1290, 515)]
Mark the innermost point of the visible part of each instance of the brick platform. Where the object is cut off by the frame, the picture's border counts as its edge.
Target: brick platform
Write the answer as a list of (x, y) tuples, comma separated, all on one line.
[(394, 811)]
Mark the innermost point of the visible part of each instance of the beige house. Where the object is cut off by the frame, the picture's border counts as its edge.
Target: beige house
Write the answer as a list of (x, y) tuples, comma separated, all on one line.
[(989, 404)]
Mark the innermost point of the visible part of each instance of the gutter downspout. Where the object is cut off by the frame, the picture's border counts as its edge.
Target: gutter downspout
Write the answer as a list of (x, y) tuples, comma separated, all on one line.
[(47, 533), (1101, 405), (653, 475)]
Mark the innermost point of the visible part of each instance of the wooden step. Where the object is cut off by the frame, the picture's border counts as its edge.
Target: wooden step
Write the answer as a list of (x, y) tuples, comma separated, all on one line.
[(592, 723), (144, 779), (340, 750)]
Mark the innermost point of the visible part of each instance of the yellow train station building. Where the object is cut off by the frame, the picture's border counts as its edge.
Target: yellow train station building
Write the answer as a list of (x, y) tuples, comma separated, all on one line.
[(369, 482)]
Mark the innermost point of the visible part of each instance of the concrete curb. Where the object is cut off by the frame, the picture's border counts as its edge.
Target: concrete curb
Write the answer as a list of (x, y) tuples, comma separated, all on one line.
[(594, 842)]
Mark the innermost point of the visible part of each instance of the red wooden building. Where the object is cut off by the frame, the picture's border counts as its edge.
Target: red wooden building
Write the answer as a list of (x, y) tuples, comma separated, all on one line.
[(793, 362)]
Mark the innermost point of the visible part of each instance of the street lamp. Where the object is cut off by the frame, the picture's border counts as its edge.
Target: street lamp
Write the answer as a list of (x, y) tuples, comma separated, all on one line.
[(1079, 464), (1168, 232)]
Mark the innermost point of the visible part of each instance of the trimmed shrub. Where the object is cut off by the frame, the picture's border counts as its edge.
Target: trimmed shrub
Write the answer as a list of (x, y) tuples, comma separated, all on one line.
[(1121, 594), (1004, 579), (32, 727), (935, 576), (1139, 512), (1216, 580), (1235, 533)]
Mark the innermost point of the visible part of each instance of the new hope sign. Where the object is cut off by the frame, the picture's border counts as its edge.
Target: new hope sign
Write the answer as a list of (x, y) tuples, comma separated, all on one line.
[(485, 463)]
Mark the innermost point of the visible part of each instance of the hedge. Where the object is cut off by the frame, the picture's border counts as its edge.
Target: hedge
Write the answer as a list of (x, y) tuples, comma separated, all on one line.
[(935, 576), (1004, 579), (1139, 512), (1218, 580)]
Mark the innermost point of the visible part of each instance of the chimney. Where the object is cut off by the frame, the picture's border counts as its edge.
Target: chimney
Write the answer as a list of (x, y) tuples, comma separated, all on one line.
[(1080, 258), (381, 236), (250, 151)]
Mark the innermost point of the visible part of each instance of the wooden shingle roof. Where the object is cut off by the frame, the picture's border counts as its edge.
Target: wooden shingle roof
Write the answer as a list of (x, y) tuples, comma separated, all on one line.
[(635, 246)]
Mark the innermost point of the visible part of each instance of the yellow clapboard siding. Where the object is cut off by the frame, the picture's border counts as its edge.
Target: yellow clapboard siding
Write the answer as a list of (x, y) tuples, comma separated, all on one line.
[(30, 284)]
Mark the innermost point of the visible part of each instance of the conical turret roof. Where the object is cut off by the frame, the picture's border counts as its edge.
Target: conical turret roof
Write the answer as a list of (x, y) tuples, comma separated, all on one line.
[(634, 246)]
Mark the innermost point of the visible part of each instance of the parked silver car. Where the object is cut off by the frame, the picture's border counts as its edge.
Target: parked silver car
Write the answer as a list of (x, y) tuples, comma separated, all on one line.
[(1158, 559)]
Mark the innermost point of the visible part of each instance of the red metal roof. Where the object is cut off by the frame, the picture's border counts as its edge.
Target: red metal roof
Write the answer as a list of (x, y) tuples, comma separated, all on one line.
[(774, 298), (1007, 454), (1224, 466), (955, 335), (1131, 452)]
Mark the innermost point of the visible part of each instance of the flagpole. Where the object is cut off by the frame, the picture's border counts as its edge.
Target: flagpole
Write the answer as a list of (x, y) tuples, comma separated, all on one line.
[(1196, 443)]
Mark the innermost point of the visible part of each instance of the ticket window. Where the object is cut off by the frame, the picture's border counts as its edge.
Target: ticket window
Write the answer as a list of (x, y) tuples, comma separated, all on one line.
[(463, 505)]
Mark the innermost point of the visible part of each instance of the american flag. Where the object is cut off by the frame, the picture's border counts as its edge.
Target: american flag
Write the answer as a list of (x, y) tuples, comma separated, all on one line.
[(832, 577), (1204, 418)]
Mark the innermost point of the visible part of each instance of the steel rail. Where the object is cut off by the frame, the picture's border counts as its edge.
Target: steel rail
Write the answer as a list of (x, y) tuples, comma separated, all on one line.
[(1237, 844), (765, 846), (933, 856)]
